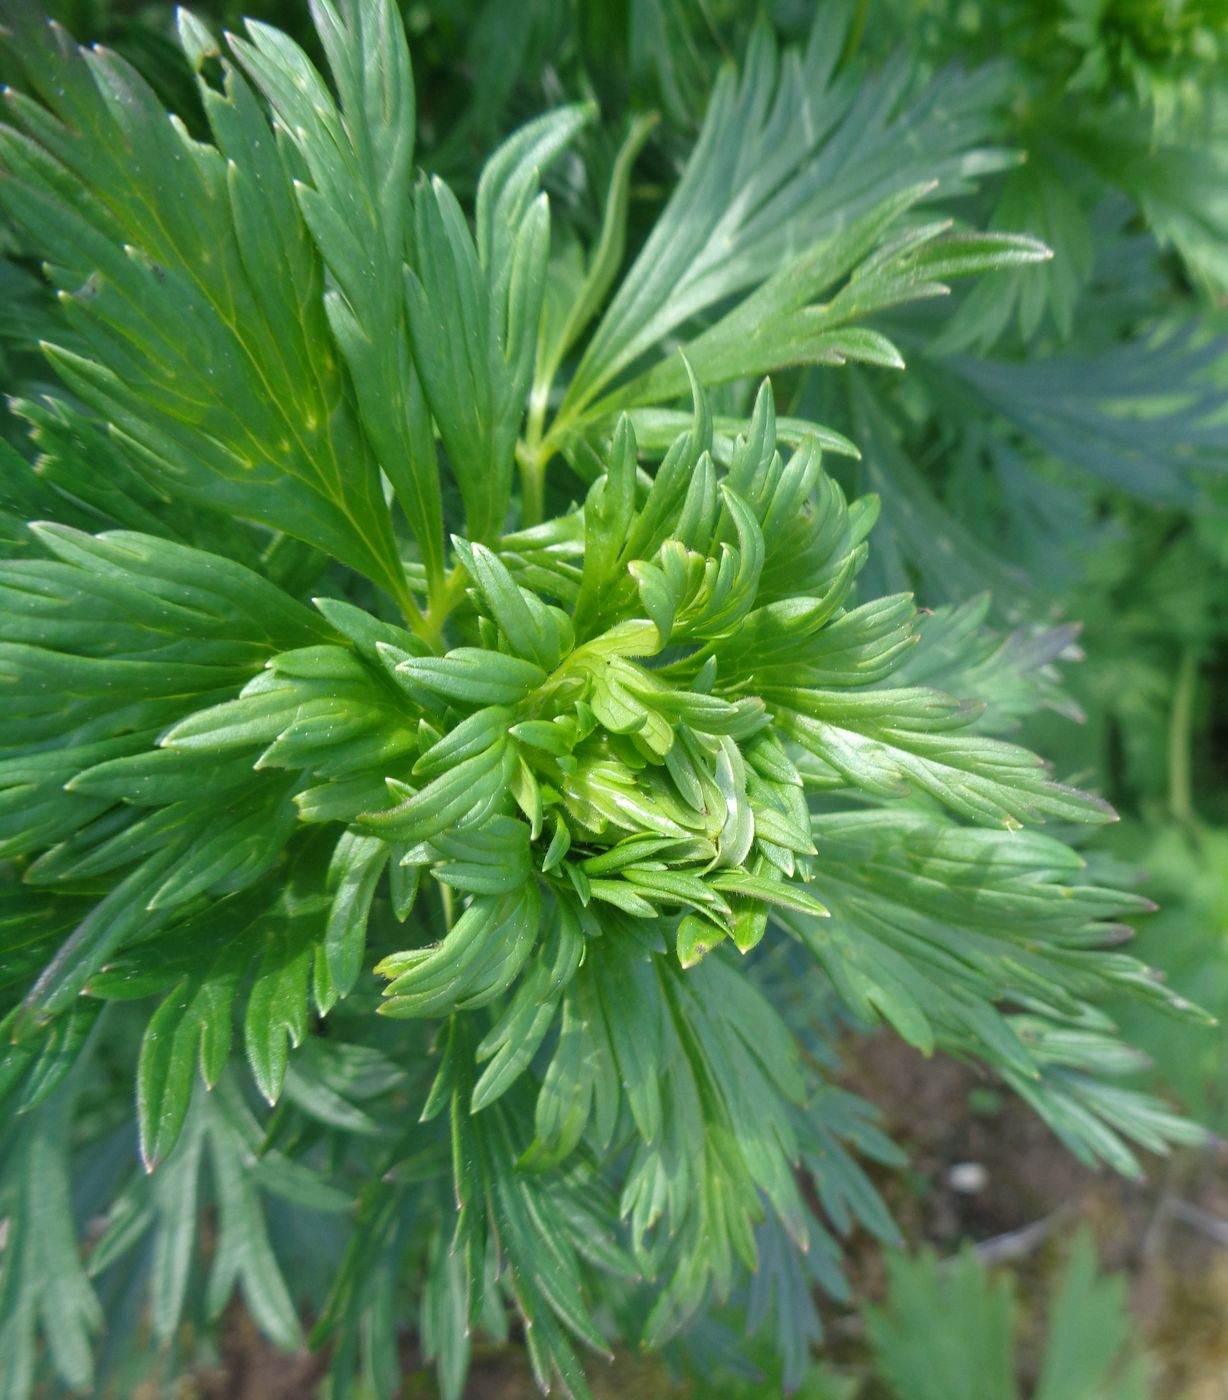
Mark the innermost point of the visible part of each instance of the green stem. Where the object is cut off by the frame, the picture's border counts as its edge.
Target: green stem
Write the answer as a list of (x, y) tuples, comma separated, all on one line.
[(444, 600), (1180, 788), (410, 610), (533, 454), (532, 486), (856, 30)]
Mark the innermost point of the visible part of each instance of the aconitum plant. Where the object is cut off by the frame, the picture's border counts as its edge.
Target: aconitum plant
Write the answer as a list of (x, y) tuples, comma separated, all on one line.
[(415, 688)]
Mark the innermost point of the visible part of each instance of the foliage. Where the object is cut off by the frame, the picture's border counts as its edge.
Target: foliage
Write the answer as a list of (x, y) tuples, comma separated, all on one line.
[(946, 1330), (440, 665)]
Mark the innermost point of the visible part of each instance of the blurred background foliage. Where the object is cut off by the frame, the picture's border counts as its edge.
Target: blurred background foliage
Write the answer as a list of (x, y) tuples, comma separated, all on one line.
[(1062, 449)]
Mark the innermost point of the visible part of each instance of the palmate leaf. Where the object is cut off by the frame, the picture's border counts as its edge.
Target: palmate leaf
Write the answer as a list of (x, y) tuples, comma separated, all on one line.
[(541, 1232), (776, 158), (43, 1285), (1011, 675), (1075, 1095), (242, 1173), (896, 875), (475, 309), (1177, 182), (919, 934), (1036, 196), (795, 318), (210, 977), (896, 741), (919, 541), (969, 1354), (82, 476), (1100, 1352), (947, 1330), (1147, 417), (359, 156), (222, 254)]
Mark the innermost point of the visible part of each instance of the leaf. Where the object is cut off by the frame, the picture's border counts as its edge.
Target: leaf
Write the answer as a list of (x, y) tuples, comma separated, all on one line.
[(491, 859), (220, 252), (34, 1066), (1090, 1357), (357, 208), (755, 190), (175, 1191), (353, 872), (774, 892), (444, 1319), (277, 1007), (885, 741), (944, 1334), (190, 1027), (474, 312), (1141, 416), (531, 633), (43, 1286), (604, 262), (946, 1331), (519, 1032), (469, 788), (470, 675), (932, 923), (777, 326), (482, 954), (1036, 197), (244, 1254), (509, 182)]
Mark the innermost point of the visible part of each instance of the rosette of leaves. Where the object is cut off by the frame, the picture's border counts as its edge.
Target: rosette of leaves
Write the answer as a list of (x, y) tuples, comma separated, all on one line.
[(312, 669)]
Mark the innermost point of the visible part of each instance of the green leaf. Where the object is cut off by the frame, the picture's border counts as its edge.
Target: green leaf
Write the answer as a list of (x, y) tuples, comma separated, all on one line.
[(277, 1006), (353, 873), (887, 741), (357, 208), (463, 792), (468, 674), (482, 954), (241, 409), (244, 1254), (604, 262), (530, 631), (945, 1333), (491, 859), (516, 1036), (474, 313), (775, 892), (1079, 1360), (754, 190), (43, 1286), (191, 1026)]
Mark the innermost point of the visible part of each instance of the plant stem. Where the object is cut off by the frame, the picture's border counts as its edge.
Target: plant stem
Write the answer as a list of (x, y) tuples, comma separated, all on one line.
[(1180, 798), (532, 486), (533, 453), (410, 610), (444, 600)]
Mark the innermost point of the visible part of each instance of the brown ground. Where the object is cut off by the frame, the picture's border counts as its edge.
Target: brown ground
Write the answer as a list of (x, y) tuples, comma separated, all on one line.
[(1169, 1232)]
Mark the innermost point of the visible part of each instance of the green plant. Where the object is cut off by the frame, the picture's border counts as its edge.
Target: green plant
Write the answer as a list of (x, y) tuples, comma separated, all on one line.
[(946, 1331), (314, 667)]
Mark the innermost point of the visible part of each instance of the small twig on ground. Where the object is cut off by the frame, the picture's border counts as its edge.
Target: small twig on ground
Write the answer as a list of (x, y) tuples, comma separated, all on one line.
[(1213, 1226), (1017, 1244)]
